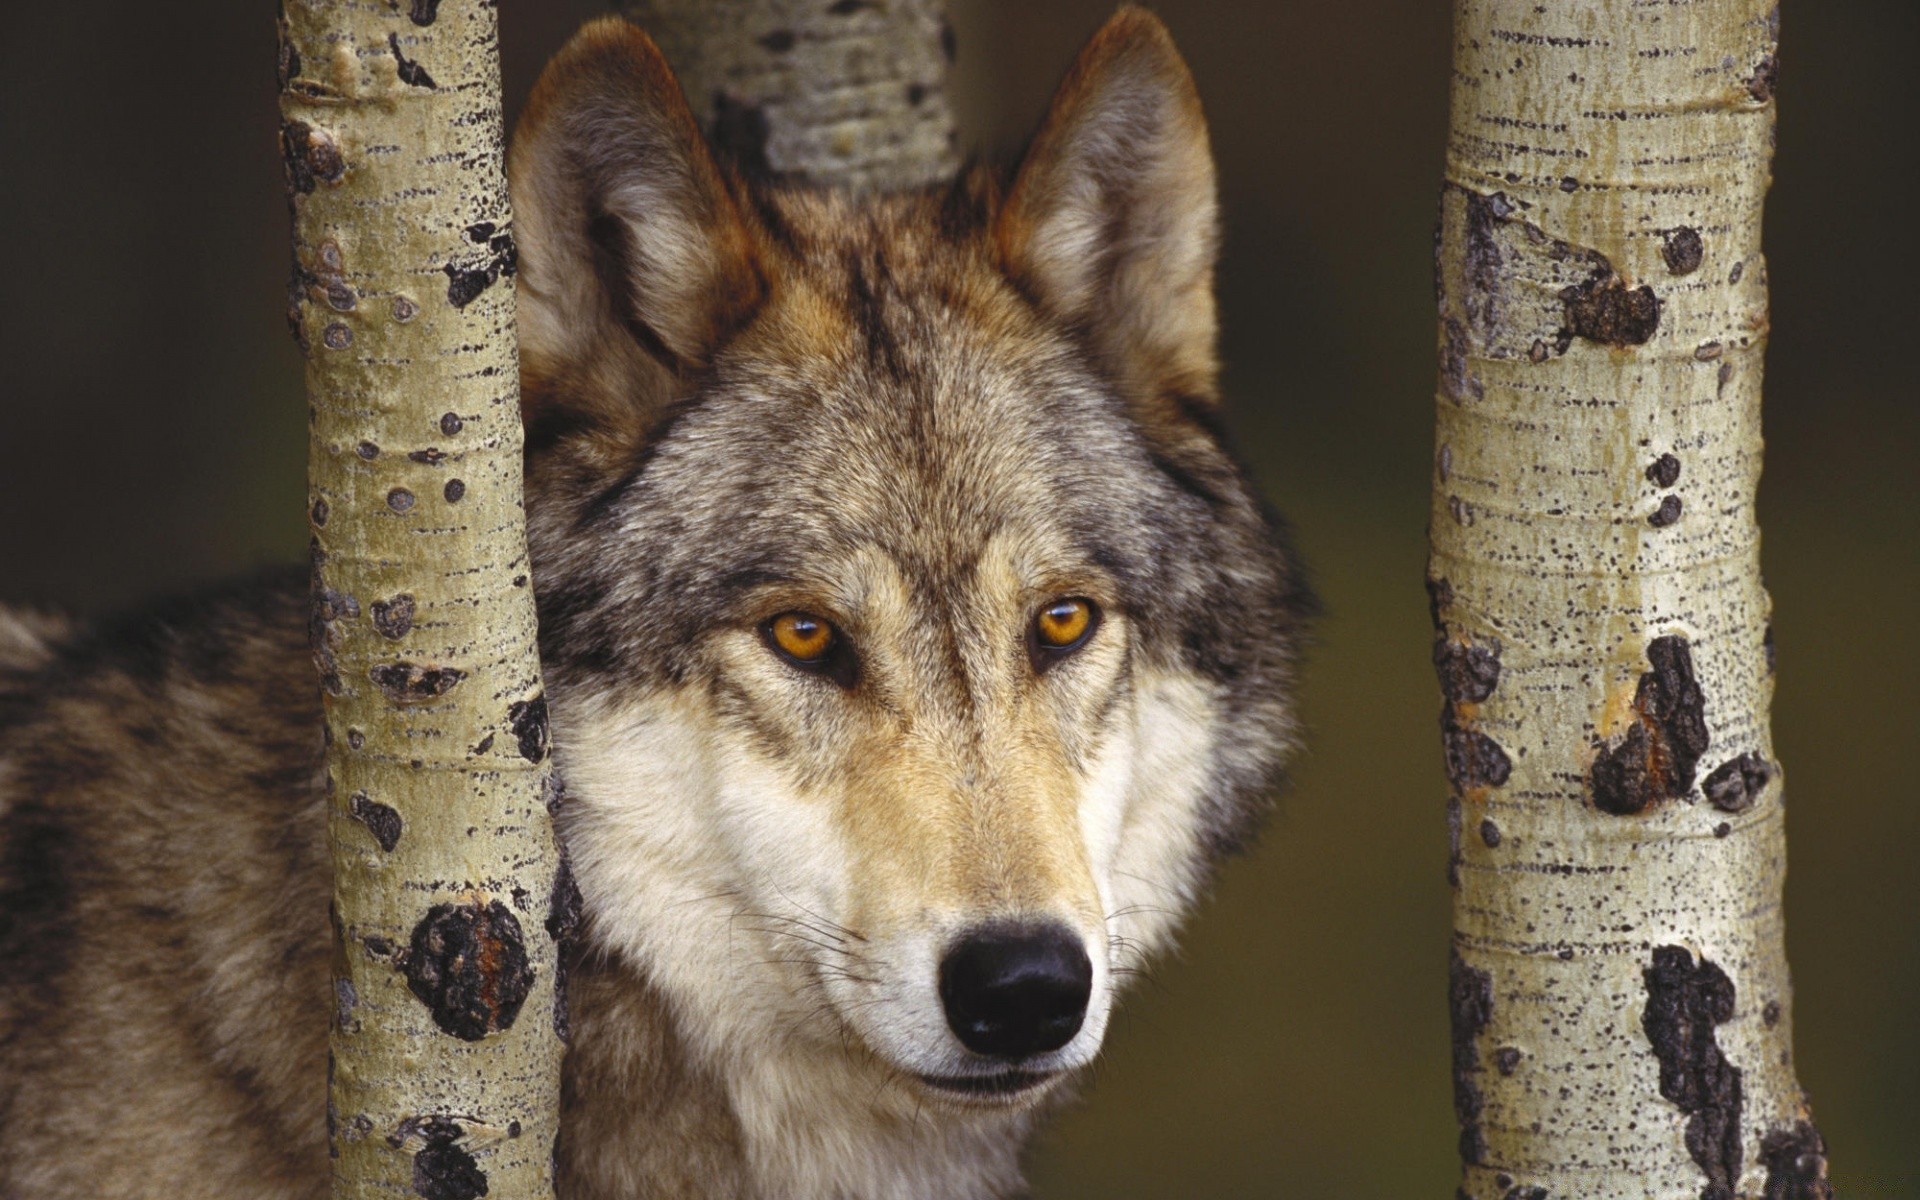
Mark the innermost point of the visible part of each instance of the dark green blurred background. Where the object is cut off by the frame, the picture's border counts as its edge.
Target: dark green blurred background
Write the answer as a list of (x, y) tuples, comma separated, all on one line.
[(153, 437)]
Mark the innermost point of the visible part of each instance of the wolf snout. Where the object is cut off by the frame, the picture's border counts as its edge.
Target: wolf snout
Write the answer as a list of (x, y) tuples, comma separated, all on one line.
[(1015, 990)]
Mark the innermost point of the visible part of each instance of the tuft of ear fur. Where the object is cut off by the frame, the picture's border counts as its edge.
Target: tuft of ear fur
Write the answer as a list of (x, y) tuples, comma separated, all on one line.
[(634, 260), (1112, 223)]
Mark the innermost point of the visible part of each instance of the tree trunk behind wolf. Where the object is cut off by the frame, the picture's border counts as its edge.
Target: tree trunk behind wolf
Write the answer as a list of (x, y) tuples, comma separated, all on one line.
[(1619, 993), (449, 897), (850, 94)]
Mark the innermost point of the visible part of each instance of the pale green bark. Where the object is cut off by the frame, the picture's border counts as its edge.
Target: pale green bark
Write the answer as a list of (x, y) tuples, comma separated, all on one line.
[(1621, 1006), (445, 1055), (849, 94)]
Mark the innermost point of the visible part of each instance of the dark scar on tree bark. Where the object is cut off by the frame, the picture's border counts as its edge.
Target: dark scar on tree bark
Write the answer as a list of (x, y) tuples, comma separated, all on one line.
[(1656, 758), (1470, 1005), (563, 922), (1605, 310), (412, 683), (1685, 1002), (1467, 673), (1456, 825), (465, 283), (393, 618), (383, 822), (1735, 784), (1439, 599), (424, 11), (442, 1168), (327, 606), (1454, 369), (469, 966), (1796, 1160), (1683, 250), (1473, 759), (1525, 1192), (564, 905), (529, 721), (311, 157), (411, 73)]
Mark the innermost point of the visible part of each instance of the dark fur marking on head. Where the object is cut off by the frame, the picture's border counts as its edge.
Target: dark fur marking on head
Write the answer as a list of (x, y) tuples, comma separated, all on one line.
[(867, 279)]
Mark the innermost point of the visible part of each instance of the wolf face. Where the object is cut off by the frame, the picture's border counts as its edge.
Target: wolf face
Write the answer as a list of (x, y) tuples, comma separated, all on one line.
[(913, 646), (914, 643)]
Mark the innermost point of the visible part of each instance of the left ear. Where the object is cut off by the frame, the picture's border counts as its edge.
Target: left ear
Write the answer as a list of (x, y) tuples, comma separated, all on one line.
[(1112, 222)]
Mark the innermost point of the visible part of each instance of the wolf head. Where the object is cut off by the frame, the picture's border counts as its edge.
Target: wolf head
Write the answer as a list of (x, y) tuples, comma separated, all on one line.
[(915, 645)]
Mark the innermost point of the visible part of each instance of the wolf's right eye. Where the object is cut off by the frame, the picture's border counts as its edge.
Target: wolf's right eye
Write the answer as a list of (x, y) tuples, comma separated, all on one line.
[(811, 644)]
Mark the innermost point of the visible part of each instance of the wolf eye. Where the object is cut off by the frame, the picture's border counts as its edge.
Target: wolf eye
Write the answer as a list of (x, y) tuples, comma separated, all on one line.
[(811, 644), (1061, 628), (804, 639)]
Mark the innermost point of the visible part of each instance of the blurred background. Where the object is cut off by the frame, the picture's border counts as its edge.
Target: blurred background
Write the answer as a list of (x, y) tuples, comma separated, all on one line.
[(153, 437)]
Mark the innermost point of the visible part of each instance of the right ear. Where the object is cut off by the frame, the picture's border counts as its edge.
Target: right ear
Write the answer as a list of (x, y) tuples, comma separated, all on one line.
[(634, 262)]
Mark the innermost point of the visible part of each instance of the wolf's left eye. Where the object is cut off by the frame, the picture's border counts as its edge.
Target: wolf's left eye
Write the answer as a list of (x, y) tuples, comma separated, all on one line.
[(1061, 628), (804, 639)]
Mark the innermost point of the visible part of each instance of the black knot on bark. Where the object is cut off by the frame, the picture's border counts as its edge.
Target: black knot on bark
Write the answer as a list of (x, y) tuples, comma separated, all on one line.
[(442, 1168), (1796, 1160), (528, 718), (414, 683), (1605, 310), (468, 964), (1470, 1007), (1467, 673), (1656, 758), (381, 820), (1737, 783), (1685, 1001)]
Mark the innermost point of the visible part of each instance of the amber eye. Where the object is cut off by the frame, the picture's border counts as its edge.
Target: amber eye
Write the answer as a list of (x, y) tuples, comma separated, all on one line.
[(1062, 627), (804, 639)]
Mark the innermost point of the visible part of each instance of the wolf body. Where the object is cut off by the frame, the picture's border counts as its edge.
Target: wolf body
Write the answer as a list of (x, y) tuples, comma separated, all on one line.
[(853, 919)]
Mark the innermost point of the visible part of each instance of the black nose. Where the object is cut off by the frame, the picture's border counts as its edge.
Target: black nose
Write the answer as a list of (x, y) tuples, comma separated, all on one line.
[(1014, 990)]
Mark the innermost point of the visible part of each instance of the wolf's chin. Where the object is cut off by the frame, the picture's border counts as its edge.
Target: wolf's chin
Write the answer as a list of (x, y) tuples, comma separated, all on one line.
[(1009, 1088)]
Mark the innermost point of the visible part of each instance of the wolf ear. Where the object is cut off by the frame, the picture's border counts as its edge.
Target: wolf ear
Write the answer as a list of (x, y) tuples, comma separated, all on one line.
[(1112, 221), (634, 261)]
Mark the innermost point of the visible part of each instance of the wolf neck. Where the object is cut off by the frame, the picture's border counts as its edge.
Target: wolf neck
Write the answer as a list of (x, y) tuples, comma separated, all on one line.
[(648, 1115)]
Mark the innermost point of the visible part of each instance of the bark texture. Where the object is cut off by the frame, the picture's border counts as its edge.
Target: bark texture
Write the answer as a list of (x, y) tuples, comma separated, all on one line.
[(445, 1064), (850, 93), (1621, 1009)]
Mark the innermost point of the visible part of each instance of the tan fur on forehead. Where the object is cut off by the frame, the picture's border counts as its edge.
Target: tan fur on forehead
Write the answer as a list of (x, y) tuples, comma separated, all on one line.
[(959, 798)]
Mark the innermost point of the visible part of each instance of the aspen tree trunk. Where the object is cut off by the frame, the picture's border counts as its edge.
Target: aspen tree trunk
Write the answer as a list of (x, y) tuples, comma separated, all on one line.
[(445, 1062), (850, 93), (1619, 993)]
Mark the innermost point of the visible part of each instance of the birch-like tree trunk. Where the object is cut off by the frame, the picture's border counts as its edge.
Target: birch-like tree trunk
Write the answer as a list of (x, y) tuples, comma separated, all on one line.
[(1619, 993), (850, 93), (445, 1063)]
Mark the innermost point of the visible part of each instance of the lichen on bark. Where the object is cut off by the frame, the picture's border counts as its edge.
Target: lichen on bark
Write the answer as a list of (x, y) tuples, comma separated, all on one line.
[(443, 1082), (1602, 633)]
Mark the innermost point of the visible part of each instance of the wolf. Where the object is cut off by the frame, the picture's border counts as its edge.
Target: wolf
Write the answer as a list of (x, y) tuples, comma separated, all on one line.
[(915, 646)]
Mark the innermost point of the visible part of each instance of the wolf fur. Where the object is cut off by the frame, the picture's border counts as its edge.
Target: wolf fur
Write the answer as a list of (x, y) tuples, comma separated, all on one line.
[(921, 417)]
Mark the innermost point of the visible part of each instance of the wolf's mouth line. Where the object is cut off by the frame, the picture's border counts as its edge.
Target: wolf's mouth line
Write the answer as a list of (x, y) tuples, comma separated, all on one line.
[(1010, 1082)]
